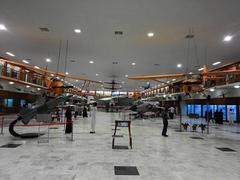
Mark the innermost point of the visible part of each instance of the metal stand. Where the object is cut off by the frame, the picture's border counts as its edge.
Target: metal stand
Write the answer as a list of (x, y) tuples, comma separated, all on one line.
[(121, 123)]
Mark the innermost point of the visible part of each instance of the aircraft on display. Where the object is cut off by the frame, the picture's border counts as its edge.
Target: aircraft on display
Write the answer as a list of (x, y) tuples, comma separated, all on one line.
[(26, 115), (52, 83), (142, 106), (120, 100), (113, 84), (190, 82)]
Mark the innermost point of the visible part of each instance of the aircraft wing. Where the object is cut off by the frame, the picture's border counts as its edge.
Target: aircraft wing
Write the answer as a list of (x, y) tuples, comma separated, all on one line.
[(162, 76)]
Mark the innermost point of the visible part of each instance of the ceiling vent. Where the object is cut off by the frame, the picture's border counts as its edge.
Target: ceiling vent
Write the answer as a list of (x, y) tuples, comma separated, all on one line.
[(44, 29), (72, 61), (115, 62), (118, 33)]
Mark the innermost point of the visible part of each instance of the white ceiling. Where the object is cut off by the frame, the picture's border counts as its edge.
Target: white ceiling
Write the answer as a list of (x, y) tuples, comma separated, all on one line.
[(170, 20)]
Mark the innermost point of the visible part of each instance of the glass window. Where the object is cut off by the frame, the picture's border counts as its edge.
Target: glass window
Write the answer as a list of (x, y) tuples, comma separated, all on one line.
[(8, 102), (234, 110), (22, 102), (223, 108), (198, 109), (190, 108)]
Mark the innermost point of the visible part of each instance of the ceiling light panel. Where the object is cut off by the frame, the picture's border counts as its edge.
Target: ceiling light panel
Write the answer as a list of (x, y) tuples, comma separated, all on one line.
[(216, 63), (10, 54), (25, 61), (3, 27), (77, 31), (150, 34), (227, 38)]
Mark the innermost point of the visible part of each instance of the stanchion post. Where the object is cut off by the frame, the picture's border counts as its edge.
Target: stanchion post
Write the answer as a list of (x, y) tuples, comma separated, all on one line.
[(72, 130), (2, 125), (38, 132), (48, 132)]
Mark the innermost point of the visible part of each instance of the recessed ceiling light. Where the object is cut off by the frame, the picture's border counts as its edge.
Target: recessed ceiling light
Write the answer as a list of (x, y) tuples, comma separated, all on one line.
[(212, 89), (76, 80), (168, 81), (3, 27), (91, 62), (126, 75), (10, 54), (97, 74), (38, 89), (57, 77), (133, 63), (216, 63), (11, 82), (227, 38), (190, 73), (150, 34), (173, 79), (25, 61), (123, 82), (200, 69), (27, 86), (48, 60), (77, 31), (36, 67), (237, 86), (179, 65), (67, 73)]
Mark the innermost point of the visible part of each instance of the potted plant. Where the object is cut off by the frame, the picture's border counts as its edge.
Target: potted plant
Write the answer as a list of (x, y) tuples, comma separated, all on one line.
[(185, 125), (194, 127), (203, 127)]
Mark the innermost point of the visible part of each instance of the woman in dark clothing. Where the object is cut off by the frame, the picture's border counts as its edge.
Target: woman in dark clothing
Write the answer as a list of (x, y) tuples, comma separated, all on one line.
[(85, 114), (68, 116)]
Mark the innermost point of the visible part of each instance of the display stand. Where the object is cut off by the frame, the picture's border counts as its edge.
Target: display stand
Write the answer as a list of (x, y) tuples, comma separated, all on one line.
[(122, 123)]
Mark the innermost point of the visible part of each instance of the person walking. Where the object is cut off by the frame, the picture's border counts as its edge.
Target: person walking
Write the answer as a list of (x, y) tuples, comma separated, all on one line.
[(171, 112), (165, 122), (68, 115), (93, 120)]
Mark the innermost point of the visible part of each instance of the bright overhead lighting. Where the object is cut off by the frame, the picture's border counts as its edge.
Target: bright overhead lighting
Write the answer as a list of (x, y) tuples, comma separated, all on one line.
[(38, 89), (27, 86), (48, 60), (126, 75), (10, 54), (11, 82), (58, 77), (67, 73), (227, 38), (212, 89), (237, 86), (164, 95), (36, 67), (216, 63), (173, 79), (76, 80), (25, 61), (200, 69), (77, 30), (97, 74), (190, 73), (65, 81), (91, 62), (168, 81), (3, 27), (123, 82), (179, 65), (150, 34), (133, 63)]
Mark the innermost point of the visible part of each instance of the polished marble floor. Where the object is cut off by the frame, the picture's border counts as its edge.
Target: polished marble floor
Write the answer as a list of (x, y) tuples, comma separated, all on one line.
[(91, 157)]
